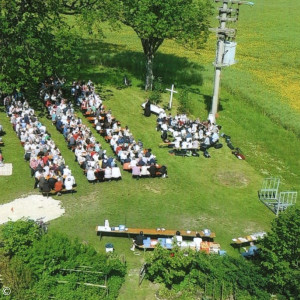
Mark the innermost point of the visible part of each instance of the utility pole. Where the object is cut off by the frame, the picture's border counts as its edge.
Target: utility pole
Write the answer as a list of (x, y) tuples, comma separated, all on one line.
[(225, 47)]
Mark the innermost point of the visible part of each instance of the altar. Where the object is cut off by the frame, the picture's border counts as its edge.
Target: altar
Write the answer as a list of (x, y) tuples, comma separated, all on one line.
[(154, 108)]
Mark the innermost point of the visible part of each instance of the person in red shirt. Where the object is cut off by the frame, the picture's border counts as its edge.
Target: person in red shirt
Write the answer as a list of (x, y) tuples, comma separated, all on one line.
[(1, 158), (45, 158), (58, 186)]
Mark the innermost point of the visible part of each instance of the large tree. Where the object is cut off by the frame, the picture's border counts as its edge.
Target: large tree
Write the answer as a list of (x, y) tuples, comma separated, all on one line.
[(33, 43), (185, 21), (280, 254)]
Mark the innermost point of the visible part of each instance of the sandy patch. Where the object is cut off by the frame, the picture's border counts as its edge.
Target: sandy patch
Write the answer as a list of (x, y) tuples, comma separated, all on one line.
[(151, 189), (32, 207), (232, 178), (6, 170)]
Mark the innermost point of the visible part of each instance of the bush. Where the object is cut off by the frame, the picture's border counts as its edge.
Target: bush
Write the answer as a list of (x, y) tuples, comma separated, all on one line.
[(280, 254), (36, 264), (19, 236), (184, 101), (155, 97), (189, 271)]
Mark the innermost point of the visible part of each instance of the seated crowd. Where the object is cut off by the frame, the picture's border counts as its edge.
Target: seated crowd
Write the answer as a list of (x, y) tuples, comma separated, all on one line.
[(46, 162), (187, 134), (141, 162), (92, 158)]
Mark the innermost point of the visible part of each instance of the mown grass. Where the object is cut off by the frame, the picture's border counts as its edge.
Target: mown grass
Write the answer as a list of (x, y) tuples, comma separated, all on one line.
[(217, 193)]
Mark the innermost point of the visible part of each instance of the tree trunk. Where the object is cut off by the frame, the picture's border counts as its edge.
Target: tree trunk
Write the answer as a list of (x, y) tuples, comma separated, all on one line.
[(149, 73), (150, 46)]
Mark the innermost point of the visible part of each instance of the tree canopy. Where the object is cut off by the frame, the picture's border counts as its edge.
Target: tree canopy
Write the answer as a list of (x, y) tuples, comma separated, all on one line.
[(33, 43), (280, 254), (41, 266), (185, 21), (189, 273)]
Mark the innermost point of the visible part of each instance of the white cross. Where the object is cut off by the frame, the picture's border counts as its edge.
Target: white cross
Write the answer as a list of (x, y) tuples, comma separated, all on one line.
[(171, 96)]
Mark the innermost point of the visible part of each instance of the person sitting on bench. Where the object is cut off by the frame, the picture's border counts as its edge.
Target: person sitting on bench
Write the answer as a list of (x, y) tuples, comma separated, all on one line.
[(58, 186), (1, 159), (69, 182), (252, 251), (139, 240)]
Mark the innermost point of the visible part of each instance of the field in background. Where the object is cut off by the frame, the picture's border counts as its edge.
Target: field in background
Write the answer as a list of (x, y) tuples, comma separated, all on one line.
[(259, 101)]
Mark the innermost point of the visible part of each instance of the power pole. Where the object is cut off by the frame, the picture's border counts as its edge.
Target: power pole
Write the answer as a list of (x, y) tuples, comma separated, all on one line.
[(225, 46)]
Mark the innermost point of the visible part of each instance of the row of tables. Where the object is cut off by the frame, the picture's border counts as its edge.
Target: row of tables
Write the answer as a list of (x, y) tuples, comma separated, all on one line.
[(158, 232)]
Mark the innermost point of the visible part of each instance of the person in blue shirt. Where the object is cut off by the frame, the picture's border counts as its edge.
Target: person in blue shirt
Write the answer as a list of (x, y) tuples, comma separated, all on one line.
[(251, 251)]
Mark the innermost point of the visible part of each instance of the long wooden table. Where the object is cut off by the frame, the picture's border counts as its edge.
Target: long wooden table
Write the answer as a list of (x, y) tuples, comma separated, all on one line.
[(153, 232), (249, 238), (245, 241)]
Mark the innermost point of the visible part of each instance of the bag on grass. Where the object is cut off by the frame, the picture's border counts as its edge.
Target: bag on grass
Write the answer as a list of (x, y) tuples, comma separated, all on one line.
[(218, 146), (230, 146), (206, 154)]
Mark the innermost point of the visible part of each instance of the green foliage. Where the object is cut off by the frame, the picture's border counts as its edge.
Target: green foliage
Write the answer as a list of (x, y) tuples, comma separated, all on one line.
[(155, 97), (37, 265), (15, 275), (185, 21), (189, 271), (184, 101), (19, 236), (280, 254), (33, 44)]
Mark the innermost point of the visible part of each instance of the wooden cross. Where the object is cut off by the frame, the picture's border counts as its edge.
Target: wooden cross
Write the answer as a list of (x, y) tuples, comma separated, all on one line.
[(171, 96)]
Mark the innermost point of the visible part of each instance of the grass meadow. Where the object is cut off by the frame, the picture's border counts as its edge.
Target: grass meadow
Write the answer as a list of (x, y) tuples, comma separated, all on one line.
[(259, 109)]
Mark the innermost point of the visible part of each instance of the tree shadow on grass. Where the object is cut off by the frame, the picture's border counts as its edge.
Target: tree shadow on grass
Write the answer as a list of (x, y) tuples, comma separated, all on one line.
[(119, 62), (208, 102)]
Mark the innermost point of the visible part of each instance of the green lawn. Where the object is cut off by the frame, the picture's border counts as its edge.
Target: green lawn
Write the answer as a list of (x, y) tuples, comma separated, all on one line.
[(219, 193)]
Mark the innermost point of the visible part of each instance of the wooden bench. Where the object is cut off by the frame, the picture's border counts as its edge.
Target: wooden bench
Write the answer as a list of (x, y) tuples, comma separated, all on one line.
[(91, 119), (54, 192), (107, 138)]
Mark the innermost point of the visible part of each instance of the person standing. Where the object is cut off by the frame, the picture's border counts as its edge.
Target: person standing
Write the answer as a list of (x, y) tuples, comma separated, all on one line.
[(177, 238), (197, 240), (147, 112)]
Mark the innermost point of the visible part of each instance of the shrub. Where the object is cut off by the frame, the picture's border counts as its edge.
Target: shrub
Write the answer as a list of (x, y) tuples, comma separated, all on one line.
[(188, 271), (36, 264), (19, 236)]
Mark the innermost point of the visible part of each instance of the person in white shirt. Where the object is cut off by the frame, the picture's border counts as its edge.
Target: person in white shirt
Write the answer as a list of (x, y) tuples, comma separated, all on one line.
[(184, 145), (177, 238), (69, 182), (66, 171), (164, 127), (197, 240), (215, 137), (144, 171), (90, 175), (107, 173), (207, 141), (115, 172)]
